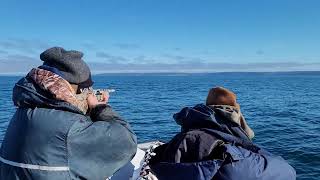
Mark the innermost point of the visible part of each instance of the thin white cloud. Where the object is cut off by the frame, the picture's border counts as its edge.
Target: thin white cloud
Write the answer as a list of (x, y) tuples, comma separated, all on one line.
[(127, 45), (108, 58), (23, 45), (203, 67), (28, 53), (3, 52), (12, 66), (89, 46)]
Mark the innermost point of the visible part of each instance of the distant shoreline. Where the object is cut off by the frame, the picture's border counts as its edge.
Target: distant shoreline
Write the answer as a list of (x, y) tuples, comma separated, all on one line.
[(177, 73)]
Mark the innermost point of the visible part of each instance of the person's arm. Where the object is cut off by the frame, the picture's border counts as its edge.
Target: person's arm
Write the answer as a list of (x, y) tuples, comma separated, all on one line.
[(247, 165), (98, 148)]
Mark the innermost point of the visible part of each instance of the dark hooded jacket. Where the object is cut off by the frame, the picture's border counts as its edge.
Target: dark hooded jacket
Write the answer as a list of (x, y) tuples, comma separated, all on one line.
[(53, 140), (211, 146)]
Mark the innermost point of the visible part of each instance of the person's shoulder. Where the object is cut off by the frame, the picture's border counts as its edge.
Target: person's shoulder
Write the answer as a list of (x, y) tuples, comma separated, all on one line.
[(58, 113)]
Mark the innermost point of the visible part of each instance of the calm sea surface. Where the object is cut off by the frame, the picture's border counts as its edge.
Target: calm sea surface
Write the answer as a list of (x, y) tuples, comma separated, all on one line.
[(282, 108)]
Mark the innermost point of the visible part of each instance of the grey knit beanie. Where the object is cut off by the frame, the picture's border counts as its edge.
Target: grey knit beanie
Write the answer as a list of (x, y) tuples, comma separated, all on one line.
[(73, 68)]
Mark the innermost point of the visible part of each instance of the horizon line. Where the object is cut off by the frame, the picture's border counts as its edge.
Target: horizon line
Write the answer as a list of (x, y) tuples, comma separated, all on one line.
[(178, 72)]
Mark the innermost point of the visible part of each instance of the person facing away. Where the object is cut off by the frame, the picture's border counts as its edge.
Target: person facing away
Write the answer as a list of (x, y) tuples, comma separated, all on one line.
[(215, 143), (60, 130)]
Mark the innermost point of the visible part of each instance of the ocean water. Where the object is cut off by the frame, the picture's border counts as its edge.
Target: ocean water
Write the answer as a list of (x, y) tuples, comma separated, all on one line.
[(282, 108)]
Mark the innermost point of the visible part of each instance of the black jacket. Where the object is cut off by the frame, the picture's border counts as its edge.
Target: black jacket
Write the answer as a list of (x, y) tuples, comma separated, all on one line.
[(210, 146)]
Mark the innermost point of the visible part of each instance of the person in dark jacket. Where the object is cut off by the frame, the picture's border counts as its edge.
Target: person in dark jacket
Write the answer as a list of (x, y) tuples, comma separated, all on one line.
[(215, 143), (60, 130)]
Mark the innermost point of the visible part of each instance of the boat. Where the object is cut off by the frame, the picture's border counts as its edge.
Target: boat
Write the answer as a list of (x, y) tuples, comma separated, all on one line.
[(137, 168)]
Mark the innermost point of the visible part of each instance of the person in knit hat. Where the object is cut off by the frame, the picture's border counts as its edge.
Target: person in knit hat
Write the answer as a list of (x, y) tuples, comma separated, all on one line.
[(60, 130), (215, 143), (220, 97)]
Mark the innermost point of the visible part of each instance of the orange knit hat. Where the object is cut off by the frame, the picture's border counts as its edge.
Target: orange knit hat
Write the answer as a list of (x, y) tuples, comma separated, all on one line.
[(221, 96)]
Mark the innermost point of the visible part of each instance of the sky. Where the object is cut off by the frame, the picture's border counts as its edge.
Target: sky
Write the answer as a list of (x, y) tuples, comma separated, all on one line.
[(164, 35)]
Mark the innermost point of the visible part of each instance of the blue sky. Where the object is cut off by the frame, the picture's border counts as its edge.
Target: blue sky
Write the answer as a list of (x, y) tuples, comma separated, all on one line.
[(284, 34)]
